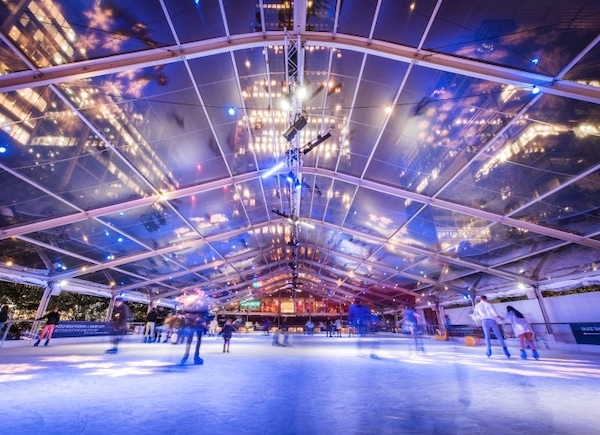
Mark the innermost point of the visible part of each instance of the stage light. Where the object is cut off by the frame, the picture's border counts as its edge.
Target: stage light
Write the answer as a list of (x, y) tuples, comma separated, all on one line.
[(280, 213), (535, 90), (231, 111), (301, 93), (274, 169), (298, 125), (290, 177), (316, 142)]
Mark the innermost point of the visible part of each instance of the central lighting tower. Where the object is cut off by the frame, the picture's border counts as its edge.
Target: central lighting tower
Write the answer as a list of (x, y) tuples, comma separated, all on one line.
[(294, 68)]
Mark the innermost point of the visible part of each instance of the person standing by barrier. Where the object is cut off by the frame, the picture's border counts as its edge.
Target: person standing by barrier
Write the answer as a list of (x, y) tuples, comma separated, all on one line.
[(4, 320), (523, 330), (150, 326), (53, 317), (485, 314), (227, 333), (338, 327), (213, 326), (3, 316), (121, 315)]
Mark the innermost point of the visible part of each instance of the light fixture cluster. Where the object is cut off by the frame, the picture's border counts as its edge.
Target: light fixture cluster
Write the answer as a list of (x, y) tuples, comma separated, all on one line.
[(316, 142), (299, 123)]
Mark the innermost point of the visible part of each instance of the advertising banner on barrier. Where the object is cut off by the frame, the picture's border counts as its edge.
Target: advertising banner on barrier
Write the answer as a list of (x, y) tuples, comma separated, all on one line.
[(586, 333), (465, 330), (81, 329)]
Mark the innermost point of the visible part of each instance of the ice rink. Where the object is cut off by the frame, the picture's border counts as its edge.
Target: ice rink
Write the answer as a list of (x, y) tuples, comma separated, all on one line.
[(315, 385)]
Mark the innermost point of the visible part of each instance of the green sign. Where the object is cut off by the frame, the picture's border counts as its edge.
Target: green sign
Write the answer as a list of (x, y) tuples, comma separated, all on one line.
[(250, 304)]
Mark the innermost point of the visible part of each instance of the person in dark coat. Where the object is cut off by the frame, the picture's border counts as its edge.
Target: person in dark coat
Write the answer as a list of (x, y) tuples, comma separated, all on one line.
[(227, 333), (53, 317), (121, 315), (150, 326), (195, 324), (3, 317)]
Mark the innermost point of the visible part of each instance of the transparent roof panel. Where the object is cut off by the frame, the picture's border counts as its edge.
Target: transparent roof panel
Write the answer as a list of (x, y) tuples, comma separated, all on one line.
[(90, 240), (403, 22), (569, 260), (91, 29), (586, 71), (154, 267), (521, 166), (376, 213), (22, 203), (574, 208), (14, 252), (532, 36), (356, 17), (340, 197), (433, 127), (134, 149)]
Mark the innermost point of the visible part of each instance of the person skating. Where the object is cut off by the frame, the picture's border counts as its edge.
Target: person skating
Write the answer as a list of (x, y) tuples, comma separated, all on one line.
[(523, 330), (486, 314), (121, 316), (53, 317), (227, 333)]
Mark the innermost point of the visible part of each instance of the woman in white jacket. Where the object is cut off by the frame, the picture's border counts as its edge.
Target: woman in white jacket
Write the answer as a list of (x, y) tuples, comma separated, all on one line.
[(521, 329)]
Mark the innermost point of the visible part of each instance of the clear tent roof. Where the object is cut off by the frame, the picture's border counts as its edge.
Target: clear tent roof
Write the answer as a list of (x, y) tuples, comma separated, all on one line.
[(138, 137)]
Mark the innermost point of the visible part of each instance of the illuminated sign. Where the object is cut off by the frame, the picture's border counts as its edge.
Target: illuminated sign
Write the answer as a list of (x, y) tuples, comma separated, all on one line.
[(250, 304)]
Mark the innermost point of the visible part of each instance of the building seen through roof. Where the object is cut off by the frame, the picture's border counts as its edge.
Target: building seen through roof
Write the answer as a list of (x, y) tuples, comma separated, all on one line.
[(321, 150)]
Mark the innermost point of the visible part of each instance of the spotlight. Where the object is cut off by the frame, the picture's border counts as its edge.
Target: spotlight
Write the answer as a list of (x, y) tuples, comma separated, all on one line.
[(535, 90), (298, 125), (290, 177), (274, 169), (280, 213), (294, 243), (316, 142)]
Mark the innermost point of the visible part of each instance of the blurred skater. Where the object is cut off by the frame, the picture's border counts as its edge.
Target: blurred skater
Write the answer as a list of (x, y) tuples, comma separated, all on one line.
[(412, 320), (195, 325), (523, 330), (121, 315), (359, 316), (227, 333), (485, 314)]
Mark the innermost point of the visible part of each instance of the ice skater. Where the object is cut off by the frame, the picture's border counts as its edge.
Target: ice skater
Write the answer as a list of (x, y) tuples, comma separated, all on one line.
[(227, 333), (53, 317), (412, 318), (523, 330), (485, 314), (195, 325), (121, 315)]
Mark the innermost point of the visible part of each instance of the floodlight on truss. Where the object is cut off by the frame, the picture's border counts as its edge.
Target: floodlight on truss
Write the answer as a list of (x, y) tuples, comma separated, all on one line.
[(299, 124), (316, 142), (274, 169), (280, 213)]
